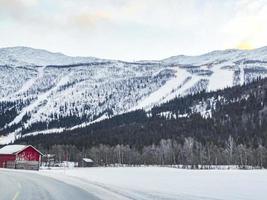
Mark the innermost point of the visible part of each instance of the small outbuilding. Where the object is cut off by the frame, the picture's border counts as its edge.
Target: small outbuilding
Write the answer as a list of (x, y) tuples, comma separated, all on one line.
[(20, 157), (48, 160), (87, 162)]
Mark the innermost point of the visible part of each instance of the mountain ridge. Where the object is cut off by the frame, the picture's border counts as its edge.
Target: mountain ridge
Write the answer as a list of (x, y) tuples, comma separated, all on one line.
[(24, 48), (21, 55)]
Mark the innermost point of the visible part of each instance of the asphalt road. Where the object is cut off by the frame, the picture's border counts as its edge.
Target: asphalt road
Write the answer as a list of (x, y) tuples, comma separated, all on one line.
[(29, 186)]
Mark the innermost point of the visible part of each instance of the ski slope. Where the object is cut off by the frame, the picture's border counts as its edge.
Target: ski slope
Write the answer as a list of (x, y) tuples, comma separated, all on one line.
[(160, 95), (25, 87)]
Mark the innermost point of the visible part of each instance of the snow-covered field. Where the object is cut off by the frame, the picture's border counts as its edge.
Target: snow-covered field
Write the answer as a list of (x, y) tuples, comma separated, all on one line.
[(144, 183)]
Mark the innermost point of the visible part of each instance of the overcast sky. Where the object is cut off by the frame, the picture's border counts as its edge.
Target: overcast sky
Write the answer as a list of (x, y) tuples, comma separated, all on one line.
[(133, 29)]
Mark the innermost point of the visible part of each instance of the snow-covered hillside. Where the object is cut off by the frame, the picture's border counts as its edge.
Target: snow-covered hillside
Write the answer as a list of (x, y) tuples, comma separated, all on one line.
[(40, 90)]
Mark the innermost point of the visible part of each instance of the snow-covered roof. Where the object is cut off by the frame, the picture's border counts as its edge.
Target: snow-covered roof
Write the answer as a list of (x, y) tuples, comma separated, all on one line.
[(12, 149), (88, 160)]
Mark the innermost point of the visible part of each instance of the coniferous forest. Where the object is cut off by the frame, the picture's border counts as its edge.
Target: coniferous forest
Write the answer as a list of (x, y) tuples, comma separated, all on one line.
[(225, 127)]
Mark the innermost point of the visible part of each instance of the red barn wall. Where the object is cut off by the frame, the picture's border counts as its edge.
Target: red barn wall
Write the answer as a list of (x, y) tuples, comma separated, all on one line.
[(28, 154), (4, 158)]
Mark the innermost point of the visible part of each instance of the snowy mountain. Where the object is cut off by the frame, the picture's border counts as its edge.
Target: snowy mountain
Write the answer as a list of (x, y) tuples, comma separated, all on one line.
[(42, 91), (21, 56)]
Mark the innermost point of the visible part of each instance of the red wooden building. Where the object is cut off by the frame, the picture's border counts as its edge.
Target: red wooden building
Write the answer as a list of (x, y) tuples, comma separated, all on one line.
[(20, 157)]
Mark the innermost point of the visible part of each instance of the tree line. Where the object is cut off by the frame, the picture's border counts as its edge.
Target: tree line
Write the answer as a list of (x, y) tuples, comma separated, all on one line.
[(168, 152)]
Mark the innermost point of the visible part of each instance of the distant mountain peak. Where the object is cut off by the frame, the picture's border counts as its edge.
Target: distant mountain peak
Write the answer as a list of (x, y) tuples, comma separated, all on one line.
[(20, 55)]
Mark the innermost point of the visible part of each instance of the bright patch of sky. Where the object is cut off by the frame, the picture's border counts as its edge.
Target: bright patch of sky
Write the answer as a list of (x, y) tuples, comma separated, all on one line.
[(133, 29)]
